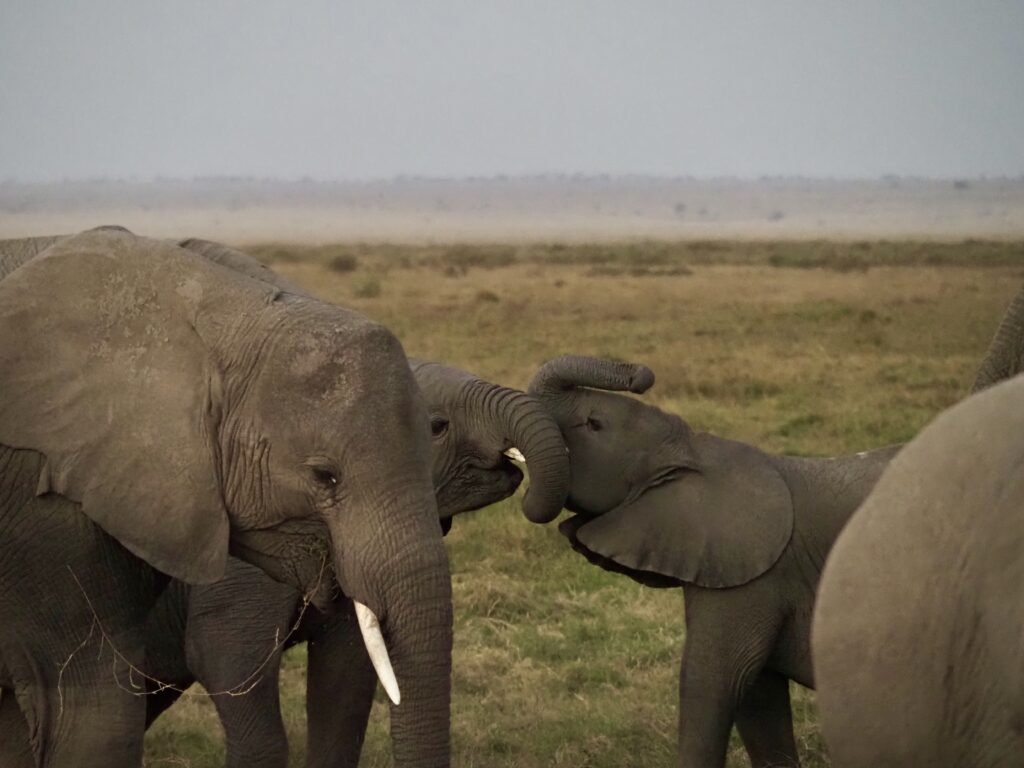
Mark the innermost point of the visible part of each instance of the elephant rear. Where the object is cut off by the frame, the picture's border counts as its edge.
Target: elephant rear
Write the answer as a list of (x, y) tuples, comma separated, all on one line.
[(917, 635)]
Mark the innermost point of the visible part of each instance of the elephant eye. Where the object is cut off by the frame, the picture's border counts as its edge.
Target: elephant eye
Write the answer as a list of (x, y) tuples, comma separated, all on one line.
[(438, 426), (594, 425), (324, 477)]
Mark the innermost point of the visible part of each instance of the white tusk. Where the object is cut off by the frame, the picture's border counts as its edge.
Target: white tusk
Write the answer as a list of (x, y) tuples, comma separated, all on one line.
[(378, 651), (515, 454)]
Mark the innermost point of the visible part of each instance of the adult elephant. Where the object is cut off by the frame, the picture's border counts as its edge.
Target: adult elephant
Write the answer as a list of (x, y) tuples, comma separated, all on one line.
[(230, 635), (159, 409), (918, 633), (743, 532)]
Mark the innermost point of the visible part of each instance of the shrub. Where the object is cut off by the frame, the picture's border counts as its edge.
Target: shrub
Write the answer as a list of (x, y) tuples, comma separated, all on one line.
[(343, 262), (368, 287)]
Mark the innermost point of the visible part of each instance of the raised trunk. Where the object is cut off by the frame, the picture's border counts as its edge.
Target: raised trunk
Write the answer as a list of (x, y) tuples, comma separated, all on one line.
[(395, 563), (1005, 356), (531, 429), (568, 371)]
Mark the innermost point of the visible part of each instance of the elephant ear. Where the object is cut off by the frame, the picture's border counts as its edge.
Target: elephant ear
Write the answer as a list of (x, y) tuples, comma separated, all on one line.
[(721, 522), (103, 372)]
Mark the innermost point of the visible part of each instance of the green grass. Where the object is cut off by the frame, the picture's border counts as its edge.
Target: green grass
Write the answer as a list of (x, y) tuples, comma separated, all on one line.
[(802, 348)]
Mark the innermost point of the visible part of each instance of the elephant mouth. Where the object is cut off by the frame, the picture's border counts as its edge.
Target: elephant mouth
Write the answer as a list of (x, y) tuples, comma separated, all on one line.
[(294, 554), (478, 487)]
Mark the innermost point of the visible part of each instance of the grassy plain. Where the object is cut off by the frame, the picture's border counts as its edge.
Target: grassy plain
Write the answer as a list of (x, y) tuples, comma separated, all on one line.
[(809, 348)]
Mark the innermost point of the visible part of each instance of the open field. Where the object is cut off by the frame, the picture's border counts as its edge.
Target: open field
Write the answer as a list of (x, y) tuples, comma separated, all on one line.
[(516, 209), (809, 347)]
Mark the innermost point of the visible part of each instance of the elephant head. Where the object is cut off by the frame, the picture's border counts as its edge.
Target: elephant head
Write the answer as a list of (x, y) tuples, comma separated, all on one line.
[(477, 427), (185, 406), (656, 500)]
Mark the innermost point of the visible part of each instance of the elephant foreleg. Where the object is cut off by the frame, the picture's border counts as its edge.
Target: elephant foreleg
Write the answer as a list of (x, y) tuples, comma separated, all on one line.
[(765, 722), (729, 637), (236, 630), (253, 728), (340, 683), (707, 708), (15, 745)]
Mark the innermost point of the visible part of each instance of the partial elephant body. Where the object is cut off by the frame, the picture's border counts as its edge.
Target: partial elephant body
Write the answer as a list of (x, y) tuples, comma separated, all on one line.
[(744, 533), (1005, 356), (14, 253), (69, 681), (918, 634), (167, 404)]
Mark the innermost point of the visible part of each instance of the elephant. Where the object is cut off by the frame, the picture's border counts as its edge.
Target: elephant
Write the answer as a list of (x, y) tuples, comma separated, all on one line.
[(917, 638), (160, 410), (743, 532), (1005, 356), (226, 634)]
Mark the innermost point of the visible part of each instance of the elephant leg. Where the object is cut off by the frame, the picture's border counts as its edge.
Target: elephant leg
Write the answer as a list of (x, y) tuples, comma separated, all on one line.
[(15, 745), (765, 722), (253, 728), (729, 637), (84, 715), (340, 683), (236, 632), (73, 603)]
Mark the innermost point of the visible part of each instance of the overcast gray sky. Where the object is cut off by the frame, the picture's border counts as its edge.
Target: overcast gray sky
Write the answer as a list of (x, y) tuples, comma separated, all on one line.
[(335, 89)]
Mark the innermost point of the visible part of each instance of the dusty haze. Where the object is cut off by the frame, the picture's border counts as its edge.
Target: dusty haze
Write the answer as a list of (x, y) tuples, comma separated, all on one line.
[(522, 209)]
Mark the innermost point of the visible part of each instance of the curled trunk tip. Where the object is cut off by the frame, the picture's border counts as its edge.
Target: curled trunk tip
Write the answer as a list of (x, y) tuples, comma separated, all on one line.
[(535, 433), (569, 371)]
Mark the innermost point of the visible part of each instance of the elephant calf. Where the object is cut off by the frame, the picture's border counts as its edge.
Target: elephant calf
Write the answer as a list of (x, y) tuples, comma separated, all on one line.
[(744, 533)]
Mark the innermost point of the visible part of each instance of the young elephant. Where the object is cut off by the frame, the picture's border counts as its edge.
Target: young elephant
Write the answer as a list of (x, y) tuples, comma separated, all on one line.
[(159, 408), (919, 633), (743, 532), (230, 635)]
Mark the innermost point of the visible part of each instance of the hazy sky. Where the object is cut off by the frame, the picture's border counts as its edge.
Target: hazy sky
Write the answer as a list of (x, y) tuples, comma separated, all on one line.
[(345, 90)]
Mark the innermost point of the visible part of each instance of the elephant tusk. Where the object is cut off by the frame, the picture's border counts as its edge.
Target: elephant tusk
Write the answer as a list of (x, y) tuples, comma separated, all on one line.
[(515, 454), (374, 640)]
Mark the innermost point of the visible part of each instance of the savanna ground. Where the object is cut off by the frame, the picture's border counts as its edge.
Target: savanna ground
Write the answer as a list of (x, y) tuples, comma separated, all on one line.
[(807, 348)]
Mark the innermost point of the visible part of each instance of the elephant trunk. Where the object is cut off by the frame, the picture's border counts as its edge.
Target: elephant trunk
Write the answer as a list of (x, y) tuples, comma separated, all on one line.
[(563, 373), (1005, 356), (398, 569), (531, 429)]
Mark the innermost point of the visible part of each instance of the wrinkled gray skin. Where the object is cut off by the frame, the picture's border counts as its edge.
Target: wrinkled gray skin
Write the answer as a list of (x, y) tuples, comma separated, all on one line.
[(159, 409), (486, 415), (1005, 356), (744, 533), (225, 634), (918, 634)]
